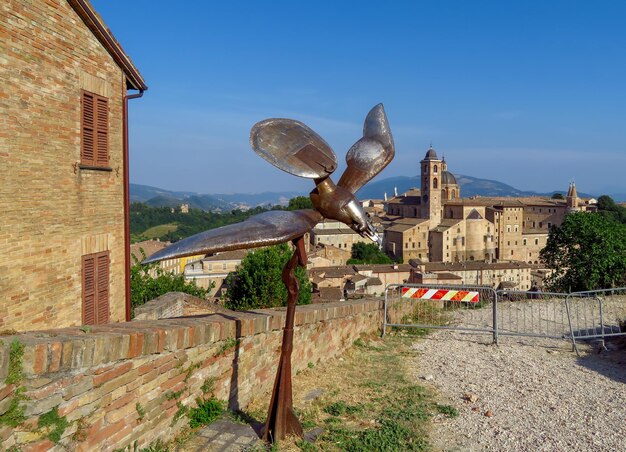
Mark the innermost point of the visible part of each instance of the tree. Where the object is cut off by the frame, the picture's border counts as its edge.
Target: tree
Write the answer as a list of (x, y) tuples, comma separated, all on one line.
[(258, 281), (611, 210), (144, 287), (300, 202), (558, 196), (368, 253), (587, 252)]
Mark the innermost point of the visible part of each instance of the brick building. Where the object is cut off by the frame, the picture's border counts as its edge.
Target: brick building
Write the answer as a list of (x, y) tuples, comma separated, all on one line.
[(434, 224), (63, 166)]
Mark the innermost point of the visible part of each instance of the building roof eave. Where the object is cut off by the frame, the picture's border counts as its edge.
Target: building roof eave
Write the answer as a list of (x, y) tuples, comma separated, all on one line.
[(93, 21)]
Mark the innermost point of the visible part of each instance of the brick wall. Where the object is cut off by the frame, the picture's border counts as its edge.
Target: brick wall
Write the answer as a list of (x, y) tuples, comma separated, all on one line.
[(51, 212), (95, 378)]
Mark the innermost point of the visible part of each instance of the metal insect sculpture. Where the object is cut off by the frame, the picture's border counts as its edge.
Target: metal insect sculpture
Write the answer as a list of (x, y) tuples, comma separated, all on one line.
[(293, 147)]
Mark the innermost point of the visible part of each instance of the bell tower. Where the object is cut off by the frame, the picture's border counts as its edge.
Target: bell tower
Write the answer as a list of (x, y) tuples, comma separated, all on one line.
[(431, 171), (572, 199)]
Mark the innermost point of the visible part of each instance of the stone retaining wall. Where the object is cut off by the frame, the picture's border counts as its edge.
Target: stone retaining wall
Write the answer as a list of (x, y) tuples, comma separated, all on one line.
[(125, 382)]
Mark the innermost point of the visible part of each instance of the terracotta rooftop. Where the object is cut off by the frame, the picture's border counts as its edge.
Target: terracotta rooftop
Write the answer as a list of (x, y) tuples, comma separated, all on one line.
[(475, 265), (383, 268), (446, 275), (149, 247), (339, 271), (227, 256)]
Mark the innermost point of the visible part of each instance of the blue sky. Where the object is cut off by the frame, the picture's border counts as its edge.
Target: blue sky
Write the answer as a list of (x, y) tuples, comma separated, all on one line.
[(531, 93)]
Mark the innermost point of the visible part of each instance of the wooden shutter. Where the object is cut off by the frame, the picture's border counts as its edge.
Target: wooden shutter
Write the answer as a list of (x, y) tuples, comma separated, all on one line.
[(95, 278), (94, 130), (89, 290), (102, 126), (102, 295), (87, 156)]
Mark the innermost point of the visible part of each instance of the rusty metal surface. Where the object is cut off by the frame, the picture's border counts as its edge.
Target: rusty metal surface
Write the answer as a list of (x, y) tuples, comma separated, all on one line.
[(281, 418), (264, 229), (293, 147)]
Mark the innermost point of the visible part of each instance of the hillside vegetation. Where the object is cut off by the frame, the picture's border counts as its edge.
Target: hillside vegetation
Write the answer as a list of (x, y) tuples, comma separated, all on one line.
[(170, 224)]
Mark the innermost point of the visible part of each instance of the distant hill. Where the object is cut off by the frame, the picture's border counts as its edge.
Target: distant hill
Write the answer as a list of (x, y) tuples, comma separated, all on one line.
[(158, 197), (470, 186)]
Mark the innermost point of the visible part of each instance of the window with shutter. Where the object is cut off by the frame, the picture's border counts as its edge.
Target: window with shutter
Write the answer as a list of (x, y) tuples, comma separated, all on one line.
[(95, 269), (94, 130)]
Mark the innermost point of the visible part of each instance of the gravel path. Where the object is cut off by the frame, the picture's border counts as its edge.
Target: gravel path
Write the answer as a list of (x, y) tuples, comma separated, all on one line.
[(525, 394)]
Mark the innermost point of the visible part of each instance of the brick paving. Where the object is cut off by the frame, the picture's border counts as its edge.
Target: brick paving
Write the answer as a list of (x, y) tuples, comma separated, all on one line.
[(226, 436)]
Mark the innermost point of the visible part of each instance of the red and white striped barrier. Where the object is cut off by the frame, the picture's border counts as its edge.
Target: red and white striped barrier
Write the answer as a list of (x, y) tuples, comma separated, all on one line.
[(440, 294)]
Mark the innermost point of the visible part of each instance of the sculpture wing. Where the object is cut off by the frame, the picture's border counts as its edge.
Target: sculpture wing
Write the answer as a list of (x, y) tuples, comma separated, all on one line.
[(264, 229), (293, 147), (368, 156)]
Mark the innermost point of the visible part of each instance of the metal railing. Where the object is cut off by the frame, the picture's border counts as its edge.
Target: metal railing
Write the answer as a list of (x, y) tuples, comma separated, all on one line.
[(578, 315), (439, 306), (606, 319)]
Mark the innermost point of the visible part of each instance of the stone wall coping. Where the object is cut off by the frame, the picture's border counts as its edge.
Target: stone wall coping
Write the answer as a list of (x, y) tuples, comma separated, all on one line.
[(71, 349)]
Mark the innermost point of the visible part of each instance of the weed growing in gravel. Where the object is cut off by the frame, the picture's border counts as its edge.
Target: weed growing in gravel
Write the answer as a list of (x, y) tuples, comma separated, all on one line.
[(447, 410)]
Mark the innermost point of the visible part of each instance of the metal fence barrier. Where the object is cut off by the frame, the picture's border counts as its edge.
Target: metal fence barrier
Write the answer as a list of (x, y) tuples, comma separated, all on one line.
[(606, 319), (439, 306), (532, 314), (578, 315)]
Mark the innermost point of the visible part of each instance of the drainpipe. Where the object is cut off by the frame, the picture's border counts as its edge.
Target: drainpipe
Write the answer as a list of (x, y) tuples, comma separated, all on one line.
[(127, 201)]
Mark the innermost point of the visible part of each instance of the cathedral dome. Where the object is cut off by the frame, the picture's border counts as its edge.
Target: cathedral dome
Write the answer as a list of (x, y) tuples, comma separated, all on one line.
[(431, 154), (447, 178)]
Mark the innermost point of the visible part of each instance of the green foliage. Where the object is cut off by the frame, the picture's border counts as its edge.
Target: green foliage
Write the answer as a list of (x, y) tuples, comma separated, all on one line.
[(447, 410), (171, 395), (228, 344), (144, 287), (206, 412), (610, 210), (300, 202), (14, 414), (144, 217), (558, 196), (368, 253), (208, 386), (16, 356), (341, 408), (587, 252), (258, 282), (55, 424), (306, 446), (140, 411), (182, 410)]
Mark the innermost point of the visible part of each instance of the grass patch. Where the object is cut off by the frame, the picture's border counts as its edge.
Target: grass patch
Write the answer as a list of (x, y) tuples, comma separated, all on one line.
[(206, 412), (370, 401), (447, 410), (160, 230), (54, 423), (16, 355)]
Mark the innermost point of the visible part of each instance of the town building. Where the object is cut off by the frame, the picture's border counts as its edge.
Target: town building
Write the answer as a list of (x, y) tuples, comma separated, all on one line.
[(337, 234), (510, 274), (212, 271), (327, 255), (64, 150), (435, 224), (176, 266)]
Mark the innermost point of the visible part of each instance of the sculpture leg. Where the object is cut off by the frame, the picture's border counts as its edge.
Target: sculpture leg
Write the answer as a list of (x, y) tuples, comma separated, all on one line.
[(281, 419)]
